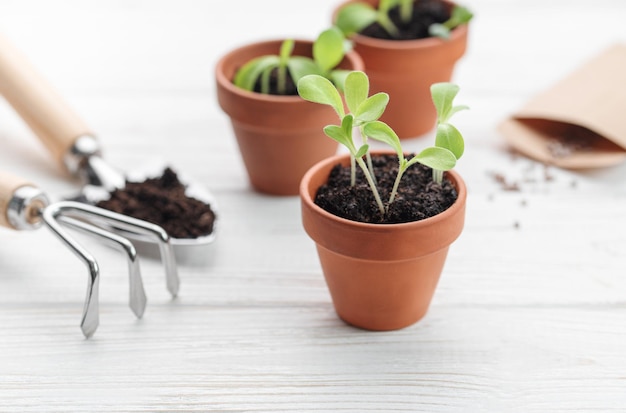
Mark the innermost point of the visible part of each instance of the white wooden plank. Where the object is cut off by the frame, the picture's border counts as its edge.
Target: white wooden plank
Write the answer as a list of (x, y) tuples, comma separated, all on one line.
[(526, 319)]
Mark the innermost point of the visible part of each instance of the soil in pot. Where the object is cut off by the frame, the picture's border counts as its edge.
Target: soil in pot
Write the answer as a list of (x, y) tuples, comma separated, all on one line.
[(291, 88), (425, 13), (418, 196)]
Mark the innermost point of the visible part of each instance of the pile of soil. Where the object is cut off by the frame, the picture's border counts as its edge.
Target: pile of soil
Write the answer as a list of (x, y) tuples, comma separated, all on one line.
[(162, 201), (418, 196), (425, 13)]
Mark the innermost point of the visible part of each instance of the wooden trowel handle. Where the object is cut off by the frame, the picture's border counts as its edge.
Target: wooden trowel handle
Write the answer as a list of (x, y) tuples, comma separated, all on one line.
[(41, 107)]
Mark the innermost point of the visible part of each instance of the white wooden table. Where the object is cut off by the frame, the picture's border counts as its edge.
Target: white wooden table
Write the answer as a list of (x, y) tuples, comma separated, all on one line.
[(530, 313)]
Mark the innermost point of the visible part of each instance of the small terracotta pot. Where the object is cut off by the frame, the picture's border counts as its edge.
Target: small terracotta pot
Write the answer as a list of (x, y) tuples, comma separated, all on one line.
[(380, 276), (279, 137), (405, 69)]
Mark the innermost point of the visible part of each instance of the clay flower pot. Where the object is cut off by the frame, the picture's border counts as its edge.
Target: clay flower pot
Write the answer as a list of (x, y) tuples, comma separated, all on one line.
[(380, 276), (405, 69), (279, 137)]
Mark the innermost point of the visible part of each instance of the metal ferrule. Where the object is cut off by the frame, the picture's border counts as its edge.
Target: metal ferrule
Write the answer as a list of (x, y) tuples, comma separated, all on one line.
[(84, 160), (84, 147), (25, 208)]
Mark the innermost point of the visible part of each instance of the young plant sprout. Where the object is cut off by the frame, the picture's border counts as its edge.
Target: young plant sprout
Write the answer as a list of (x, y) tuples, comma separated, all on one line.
[(329, 50), (355, 17), (365, 112), (460, 15)]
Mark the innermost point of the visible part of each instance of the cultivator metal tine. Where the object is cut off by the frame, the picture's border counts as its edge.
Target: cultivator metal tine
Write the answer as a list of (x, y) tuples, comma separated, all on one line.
[(99, 222), (107, 219), (91, 309), (137, 295)]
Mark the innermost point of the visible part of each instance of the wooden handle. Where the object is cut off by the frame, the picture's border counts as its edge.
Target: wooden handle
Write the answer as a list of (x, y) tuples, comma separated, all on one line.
[(41, 107), (8, 185)]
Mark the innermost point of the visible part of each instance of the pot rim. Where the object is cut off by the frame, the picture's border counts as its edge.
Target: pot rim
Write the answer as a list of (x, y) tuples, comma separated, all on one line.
[(459, 203), (226, 83)]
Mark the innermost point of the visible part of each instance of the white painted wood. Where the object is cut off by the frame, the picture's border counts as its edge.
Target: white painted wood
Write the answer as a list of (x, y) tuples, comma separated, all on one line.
[(527, 319)]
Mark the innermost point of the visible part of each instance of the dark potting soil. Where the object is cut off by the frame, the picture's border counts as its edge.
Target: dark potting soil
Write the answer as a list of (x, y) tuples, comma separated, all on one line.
[(162, 201), (425, 13), (290, 86), (418, 196)]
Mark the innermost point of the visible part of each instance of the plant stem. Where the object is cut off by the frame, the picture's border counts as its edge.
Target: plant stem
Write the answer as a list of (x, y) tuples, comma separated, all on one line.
[(437, 176), (368, 155), (388, 25), (396, 184), (282, 79), (372, 185), (352, 171), (406, 10), (370, 166), (265, 81)]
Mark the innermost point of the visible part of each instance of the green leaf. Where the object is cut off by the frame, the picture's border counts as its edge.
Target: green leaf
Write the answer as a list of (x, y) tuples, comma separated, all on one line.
[(460, 15), (382, 132), (300, 66), (456, 109), (318, 89), (347, 124), (328, 49), (443, 95), (439, 30), (434, 157), (372, 108), (356, 88), (286, 48), (337, 133), (355, 17), (362, 151), (450, 138), (247, 76)]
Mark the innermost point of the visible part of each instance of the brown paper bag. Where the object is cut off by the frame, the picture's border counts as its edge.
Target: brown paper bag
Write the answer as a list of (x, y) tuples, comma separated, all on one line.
[(581, 121)]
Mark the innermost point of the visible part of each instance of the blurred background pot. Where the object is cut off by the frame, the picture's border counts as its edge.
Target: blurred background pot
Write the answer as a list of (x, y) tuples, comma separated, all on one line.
[(405, 69), (279, 137)]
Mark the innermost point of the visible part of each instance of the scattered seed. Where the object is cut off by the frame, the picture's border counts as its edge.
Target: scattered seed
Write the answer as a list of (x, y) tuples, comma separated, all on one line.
[(504, 184), (574, 139), (547, 176)]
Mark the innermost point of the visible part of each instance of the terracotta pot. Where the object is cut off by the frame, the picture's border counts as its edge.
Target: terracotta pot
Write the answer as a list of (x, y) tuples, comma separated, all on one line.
[(279, 137), (405, 69), (380, 276)]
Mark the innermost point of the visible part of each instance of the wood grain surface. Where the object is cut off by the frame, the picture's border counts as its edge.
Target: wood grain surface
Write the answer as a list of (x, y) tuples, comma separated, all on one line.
[(530, 313)]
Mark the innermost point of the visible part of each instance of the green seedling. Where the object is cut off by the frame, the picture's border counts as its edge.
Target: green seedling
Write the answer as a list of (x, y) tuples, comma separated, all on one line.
[(363, 110), (364, 113), (329, 50), (355, 17), (460, 15)]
